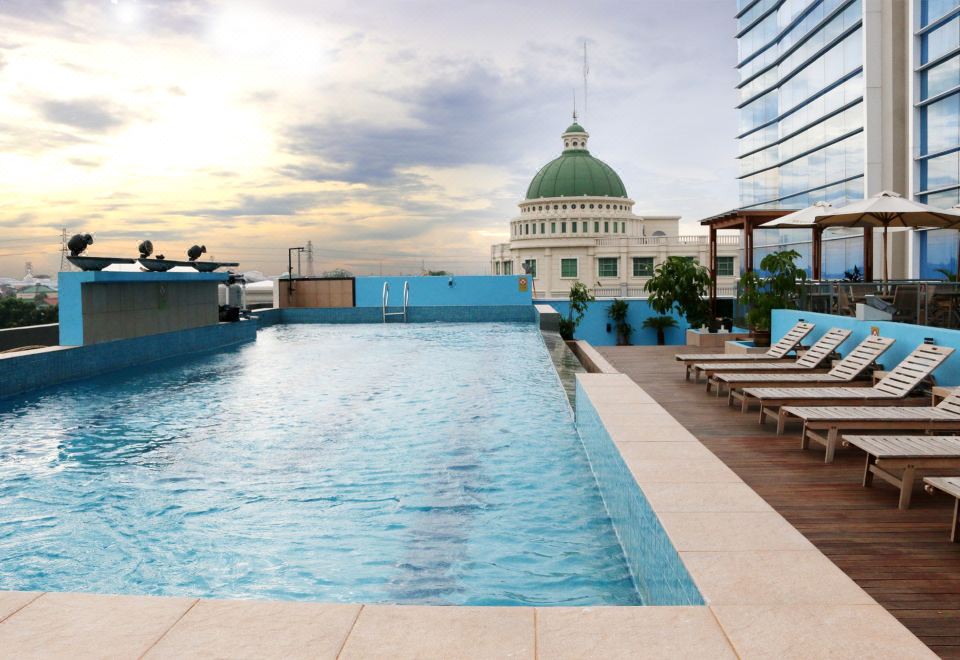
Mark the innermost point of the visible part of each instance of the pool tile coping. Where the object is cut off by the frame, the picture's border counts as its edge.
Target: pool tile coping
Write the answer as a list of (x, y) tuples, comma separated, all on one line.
[(768, 591)]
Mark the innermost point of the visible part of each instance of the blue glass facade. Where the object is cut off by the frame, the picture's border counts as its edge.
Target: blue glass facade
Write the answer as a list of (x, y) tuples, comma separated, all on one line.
[(800, 65), (938, 104), (938, 122)]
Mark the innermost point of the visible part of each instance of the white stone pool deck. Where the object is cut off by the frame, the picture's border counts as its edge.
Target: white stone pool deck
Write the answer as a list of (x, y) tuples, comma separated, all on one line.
[(770, 593)]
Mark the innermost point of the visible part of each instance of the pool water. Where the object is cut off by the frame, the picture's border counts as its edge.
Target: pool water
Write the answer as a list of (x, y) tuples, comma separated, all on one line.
[(432, 464)]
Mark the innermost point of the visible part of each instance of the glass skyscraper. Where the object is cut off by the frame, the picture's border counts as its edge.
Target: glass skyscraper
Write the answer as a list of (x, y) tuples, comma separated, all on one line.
[(801, 93), (840, 99), (936, 64)]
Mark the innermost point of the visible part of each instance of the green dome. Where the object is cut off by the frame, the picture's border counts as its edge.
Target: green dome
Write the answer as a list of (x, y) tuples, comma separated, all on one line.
[(574, 174), (575, 128)]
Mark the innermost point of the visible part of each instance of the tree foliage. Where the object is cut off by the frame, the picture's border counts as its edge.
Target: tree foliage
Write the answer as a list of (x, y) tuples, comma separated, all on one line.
[(580, 298), (680, 283), (660, 324), (777, 285), (15, 313)]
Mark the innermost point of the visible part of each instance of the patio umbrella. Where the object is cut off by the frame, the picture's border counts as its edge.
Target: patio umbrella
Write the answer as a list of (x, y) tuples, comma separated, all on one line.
[(802, 219), (805, 219), (887, 209)]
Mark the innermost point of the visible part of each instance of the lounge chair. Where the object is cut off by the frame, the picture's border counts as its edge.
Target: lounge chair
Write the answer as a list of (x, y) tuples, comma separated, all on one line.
[(780, 402), (823, 424), (810, 360), (949, 486), (905, 454), (846, 372), (778, 351)]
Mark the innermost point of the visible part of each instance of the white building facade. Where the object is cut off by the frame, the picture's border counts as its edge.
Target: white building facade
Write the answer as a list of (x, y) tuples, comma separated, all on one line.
[(577, 224)]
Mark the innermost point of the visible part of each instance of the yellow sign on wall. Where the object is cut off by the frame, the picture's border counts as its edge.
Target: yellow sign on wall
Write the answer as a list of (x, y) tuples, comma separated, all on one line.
[(522, 284)]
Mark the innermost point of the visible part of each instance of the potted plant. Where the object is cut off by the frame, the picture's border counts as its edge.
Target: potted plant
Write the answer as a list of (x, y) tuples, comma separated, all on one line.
[(617, 312), (660, 324), (775, 286), (580, 298), (681, 283)]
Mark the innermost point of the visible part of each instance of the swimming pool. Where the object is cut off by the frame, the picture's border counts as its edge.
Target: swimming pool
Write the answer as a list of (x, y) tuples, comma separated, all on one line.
[(433, 463)]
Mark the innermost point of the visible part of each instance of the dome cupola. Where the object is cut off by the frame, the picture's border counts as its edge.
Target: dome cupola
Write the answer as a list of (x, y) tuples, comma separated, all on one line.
[(575, 173)]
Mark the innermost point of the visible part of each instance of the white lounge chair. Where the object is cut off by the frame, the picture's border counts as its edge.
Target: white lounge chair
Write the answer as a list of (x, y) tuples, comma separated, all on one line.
[(845, 372), (823, 424), (809, 362), (781, 402), (897, 458), (778, 351), (949, 486)]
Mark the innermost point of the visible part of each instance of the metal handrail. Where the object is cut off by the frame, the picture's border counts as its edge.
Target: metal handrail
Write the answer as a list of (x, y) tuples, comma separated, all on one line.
[(386, 301)]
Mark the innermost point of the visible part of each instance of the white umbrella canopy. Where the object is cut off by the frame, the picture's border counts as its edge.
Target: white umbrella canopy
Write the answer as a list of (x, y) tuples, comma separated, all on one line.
[(887, 209), (802, 219)]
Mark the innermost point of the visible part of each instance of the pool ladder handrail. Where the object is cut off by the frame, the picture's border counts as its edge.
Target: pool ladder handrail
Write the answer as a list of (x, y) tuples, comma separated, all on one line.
[(385, 301)]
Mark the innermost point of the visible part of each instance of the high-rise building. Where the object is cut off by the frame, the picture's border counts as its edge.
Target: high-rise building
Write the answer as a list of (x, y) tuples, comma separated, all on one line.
[(841, 99)]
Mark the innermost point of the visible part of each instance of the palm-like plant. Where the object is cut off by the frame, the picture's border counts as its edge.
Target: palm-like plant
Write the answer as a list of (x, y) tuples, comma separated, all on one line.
[(660, 324), (618, 314)]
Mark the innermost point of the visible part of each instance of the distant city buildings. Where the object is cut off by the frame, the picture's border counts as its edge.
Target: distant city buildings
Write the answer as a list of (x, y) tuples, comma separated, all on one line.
[(840, 99), (577, 223)]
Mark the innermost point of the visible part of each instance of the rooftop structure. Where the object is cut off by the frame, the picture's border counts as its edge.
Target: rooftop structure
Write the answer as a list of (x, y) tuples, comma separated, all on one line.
[(577, 223)]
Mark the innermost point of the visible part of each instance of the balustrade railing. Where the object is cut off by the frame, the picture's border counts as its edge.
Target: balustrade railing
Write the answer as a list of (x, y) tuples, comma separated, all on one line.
[(923, 302)]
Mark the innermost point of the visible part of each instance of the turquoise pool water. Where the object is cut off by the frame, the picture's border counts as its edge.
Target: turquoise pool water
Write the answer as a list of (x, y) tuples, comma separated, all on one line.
[(433, 463)]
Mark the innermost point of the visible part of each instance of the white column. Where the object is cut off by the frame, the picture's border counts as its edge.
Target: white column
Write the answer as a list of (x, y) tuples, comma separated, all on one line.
[(886, 96)]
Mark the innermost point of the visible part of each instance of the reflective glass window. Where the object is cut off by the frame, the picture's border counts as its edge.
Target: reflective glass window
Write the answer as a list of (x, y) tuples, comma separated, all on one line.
[(940, 172), (940, 78), (940, 125)]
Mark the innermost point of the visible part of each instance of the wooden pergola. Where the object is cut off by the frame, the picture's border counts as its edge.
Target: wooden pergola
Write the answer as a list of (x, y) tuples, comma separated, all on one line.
[(747, 220)]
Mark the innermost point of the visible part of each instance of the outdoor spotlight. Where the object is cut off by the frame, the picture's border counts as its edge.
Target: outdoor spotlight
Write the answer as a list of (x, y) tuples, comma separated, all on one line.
[(450, 282), (146, 249), (194, 252), (78, 243)]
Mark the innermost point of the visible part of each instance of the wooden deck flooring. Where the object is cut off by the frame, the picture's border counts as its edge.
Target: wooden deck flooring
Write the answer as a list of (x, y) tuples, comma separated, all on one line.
[(904, 559)]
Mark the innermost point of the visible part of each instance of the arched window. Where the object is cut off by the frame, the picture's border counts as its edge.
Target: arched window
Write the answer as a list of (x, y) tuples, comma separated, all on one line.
[(658, 234)]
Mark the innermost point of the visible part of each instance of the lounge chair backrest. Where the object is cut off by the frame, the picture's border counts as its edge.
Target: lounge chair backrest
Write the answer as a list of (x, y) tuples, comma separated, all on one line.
[(951, 403), (914, 368), (861, 357), (790, 340), (821, 350)]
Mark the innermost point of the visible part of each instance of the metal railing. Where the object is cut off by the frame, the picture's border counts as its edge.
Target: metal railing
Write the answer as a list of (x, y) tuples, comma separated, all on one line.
[(385, 301), (922, 302), (666, 240)]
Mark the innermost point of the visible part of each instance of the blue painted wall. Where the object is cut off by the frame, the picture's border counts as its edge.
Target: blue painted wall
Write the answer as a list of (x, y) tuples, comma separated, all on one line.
[(71, 301), (593, 327), (467, 290), (32, 370), (907, 337)]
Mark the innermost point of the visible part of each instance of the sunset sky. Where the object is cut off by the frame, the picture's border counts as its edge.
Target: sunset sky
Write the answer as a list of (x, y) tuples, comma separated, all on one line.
[(389, 133)]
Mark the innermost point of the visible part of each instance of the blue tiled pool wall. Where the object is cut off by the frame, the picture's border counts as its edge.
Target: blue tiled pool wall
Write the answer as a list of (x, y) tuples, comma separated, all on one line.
[(907, 337), (659, 573), (430, 314), (443, 291), (23, 373)]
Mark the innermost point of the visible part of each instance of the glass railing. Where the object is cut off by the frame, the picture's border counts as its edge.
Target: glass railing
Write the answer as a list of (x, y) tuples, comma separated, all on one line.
[(922, 302)]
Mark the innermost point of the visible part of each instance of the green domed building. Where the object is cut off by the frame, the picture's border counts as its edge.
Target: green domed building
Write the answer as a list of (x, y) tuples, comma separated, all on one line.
[(576, 222), (576, 173)]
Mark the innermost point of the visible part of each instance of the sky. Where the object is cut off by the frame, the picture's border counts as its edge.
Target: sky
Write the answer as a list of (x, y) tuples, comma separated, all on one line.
[(392, 135)]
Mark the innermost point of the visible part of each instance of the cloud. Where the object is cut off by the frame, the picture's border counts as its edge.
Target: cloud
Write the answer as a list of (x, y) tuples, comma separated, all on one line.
[(83, 162), (453, 120), (259, 205), (94, 115)]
